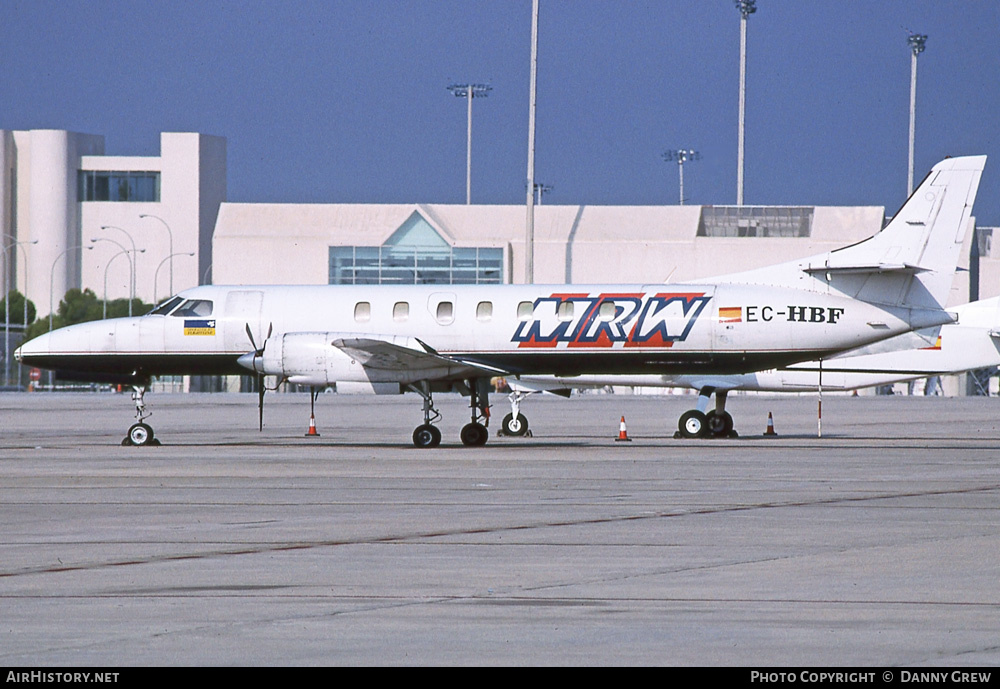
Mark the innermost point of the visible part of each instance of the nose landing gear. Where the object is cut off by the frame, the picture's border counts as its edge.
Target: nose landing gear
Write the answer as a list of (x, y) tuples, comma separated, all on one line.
[(140, 433)]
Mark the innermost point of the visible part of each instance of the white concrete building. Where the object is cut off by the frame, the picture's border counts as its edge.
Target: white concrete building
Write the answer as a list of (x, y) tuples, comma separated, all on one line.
[(365, 243), (58, 192)]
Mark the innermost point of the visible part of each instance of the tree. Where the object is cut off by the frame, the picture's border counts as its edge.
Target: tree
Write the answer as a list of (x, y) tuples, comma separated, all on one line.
[(16, 300)]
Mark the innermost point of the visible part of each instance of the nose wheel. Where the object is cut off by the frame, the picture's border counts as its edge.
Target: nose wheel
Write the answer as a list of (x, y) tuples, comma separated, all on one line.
[(140, 433)]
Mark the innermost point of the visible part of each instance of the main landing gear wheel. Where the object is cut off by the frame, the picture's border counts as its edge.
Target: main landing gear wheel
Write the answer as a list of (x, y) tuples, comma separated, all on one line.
[(427, 435), (514, 425), (140, 434), (720, 424), (474, 434), (693, 424)]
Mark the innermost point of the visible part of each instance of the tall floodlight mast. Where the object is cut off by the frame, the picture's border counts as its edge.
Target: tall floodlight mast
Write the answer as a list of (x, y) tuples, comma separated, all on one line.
[(681, 156), (746, 8), (529, 233), (469, 91), (916, 42)]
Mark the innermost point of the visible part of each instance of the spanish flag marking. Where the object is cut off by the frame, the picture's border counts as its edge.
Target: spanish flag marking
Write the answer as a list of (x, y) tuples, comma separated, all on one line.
[(730, 314), (199, 327)]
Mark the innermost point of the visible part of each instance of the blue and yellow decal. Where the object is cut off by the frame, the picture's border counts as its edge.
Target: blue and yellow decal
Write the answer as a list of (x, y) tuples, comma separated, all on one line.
[(199, 327)]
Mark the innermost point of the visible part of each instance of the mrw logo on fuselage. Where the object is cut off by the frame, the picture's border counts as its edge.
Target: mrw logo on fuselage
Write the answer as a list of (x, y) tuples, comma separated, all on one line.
[(610, 320)]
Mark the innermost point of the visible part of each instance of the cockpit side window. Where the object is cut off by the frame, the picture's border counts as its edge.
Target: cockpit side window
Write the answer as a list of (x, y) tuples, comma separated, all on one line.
[(164, 308), (194, 307)]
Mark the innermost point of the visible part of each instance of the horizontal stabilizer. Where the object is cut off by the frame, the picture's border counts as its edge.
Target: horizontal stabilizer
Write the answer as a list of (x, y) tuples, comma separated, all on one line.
[(875, 269)]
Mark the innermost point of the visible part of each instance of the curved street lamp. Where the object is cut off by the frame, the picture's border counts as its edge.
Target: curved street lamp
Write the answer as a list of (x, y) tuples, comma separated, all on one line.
[(52, 277), (104, 315), (6, 302), (131, 271), (156, 274), (133, 262), (170, 251)]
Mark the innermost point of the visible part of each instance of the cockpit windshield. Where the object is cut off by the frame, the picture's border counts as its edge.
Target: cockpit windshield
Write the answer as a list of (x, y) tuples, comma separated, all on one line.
[(194, 307), (164, 308)]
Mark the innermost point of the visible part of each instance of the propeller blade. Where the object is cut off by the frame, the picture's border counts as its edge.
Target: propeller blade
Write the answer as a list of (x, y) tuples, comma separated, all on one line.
[(250, 335)]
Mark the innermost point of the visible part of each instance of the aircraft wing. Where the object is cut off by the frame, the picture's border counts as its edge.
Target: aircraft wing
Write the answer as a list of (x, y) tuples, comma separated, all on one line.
[(393, 356)]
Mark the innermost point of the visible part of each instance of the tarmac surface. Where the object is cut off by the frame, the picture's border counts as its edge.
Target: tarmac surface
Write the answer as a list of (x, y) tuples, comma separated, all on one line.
[(876, 545)]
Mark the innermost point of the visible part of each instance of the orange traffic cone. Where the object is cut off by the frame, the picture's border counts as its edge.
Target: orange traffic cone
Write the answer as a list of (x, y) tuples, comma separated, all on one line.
[(770, 425), (312, 427), (623, 433)]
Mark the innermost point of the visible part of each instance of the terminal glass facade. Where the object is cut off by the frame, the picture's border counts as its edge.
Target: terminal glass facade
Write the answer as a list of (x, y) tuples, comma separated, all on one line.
[(755, 221), (108, 185), (415, 255)]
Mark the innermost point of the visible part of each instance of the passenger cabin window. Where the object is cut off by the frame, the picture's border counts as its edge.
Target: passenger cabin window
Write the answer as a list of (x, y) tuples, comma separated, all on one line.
[(445, 312), (524, 310), (164, 308), (194, 307), (607, 311), (565, 311), (401, 311), (362, 312), (484, 311)]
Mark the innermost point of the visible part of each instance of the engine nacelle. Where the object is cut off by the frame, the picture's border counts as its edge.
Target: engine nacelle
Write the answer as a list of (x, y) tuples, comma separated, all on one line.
[(307, 359)]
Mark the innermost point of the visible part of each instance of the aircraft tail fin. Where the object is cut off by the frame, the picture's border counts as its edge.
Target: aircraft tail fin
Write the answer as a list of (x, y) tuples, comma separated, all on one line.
[(911, 262)]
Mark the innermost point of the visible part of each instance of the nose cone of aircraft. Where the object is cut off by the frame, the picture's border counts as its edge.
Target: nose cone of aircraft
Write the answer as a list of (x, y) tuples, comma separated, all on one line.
[(251, 361), (29, 352)]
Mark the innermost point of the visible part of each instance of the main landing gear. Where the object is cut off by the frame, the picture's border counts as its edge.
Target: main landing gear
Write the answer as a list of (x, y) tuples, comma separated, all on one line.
[(717, 423), (474, 433), (140, 433)]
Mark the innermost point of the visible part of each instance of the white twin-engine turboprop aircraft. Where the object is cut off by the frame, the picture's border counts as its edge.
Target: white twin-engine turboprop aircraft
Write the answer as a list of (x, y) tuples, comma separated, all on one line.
[(431, 338)]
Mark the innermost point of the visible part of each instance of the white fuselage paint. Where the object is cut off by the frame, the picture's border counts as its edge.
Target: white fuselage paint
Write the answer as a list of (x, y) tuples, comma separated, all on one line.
[(579, 329)]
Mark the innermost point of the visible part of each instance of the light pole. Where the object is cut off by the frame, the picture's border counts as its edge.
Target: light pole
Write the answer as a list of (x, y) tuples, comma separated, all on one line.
[(104, 315), (170, 251), (52, 289), (746, 8), (133, 263), (681, 156), (469, 91), (156, 274), (916, 42), (131, 272), (52, 277), (529, 229), (6, 302)]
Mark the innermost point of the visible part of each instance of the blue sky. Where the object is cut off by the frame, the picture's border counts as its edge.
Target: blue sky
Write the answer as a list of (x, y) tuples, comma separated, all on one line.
[(346, 100)]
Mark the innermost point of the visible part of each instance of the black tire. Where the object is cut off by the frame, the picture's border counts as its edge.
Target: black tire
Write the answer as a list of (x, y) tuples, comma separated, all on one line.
[(693, 424), (474, 434), (720, 425), (427, 436), (140, 434), (514, 426)]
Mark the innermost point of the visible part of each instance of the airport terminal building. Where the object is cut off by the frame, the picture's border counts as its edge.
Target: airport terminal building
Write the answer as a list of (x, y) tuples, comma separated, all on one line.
[(74, 217)]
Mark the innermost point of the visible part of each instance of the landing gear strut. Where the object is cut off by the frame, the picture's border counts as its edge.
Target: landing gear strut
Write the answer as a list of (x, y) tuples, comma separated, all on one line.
[(476, 433), (140, 433), (427, 434), (717, 423)]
